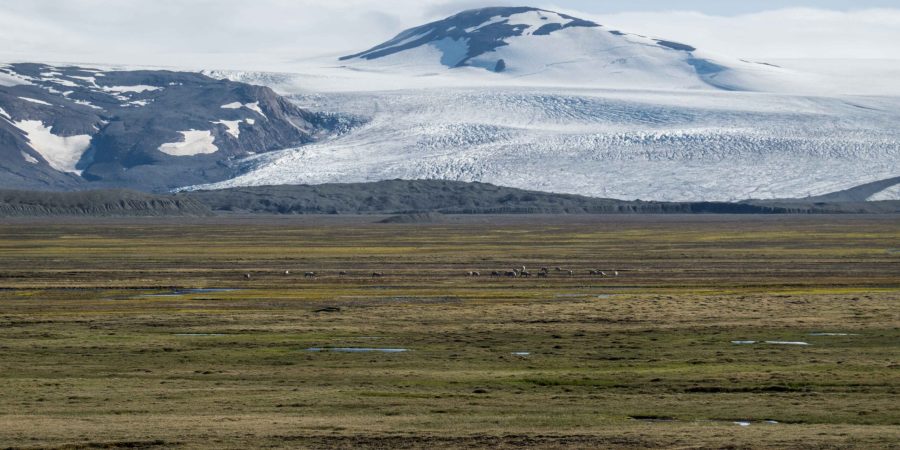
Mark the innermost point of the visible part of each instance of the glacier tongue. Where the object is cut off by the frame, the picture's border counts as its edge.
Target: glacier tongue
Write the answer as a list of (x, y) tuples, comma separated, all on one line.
[(652, 145)]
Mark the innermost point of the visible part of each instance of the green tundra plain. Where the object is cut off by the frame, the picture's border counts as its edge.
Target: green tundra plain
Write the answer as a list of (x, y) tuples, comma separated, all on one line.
[(106, 341)]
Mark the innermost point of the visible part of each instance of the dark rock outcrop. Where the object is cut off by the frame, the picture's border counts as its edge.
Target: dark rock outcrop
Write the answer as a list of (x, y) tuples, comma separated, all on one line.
[(127, 117)]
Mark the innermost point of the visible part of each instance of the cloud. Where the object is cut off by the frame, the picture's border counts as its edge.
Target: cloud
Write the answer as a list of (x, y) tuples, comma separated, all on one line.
[(777, 34), (261, 34)]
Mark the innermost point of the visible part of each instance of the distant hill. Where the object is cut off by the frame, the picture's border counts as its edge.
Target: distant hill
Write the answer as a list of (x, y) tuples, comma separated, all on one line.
[(417, 201), (455, 197), (105, 203)]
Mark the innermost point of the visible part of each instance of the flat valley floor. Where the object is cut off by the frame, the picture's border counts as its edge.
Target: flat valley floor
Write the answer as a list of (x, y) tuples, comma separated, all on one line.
[(718, 332)]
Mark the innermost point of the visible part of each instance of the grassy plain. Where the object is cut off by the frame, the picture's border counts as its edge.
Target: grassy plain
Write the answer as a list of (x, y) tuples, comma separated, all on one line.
[(98, 349)]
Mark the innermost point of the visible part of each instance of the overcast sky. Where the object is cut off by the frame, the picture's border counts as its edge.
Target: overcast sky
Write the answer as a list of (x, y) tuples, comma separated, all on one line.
[(238, 33)]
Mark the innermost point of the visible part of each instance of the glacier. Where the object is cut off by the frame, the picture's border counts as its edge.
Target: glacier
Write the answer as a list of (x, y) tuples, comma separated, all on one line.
[(532, 99), (638, 144)]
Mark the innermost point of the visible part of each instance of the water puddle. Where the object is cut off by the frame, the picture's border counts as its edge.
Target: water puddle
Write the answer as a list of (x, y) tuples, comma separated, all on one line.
[(833, 334), (181, 292), (356, 350), (198, 334), (521, 353), (597, 296), (769, 342), (747, 423), (653, 419)]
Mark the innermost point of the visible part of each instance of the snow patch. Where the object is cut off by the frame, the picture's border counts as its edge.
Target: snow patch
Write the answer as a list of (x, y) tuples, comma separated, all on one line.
[(11, 79), (91, 80), (535, 20), (61, 82), (62, 153), (4, 114), (87, 103), (34, 100), (251, 106), (891, 193), (195, 143), (233, 126), (29, 159), (137, 89)]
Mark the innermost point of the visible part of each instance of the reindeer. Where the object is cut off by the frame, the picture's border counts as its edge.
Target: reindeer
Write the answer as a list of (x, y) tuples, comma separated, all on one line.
[(378, 275), (495, 274), (309, 274), (247, 276), (287, 272), (342, 273), (543, 275)]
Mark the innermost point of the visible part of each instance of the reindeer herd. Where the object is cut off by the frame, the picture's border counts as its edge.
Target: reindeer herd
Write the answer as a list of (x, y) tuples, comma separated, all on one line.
[(544, 273), (519, 272)]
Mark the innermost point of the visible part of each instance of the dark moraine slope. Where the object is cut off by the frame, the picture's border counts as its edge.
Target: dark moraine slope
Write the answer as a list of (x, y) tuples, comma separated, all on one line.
[(453, 197), (421, 201), (106, 203)]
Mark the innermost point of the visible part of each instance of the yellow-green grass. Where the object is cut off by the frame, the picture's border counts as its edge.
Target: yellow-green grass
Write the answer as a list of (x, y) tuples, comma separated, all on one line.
[(92, 356)]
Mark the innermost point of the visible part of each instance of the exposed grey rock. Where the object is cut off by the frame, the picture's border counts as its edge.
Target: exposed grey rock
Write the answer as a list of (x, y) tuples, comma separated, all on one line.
[(129, 115)]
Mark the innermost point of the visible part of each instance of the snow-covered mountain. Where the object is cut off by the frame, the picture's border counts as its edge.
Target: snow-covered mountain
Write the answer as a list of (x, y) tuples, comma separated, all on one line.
[(574, 107), (543, 46)]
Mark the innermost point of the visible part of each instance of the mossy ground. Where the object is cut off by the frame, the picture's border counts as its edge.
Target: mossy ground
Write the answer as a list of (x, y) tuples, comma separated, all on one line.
[(91, 356)]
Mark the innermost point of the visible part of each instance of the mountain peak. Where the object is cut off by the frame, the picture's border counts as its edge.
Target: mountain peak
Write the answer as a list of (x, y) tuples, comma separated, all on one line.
[(535, 45), (483, 30)]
